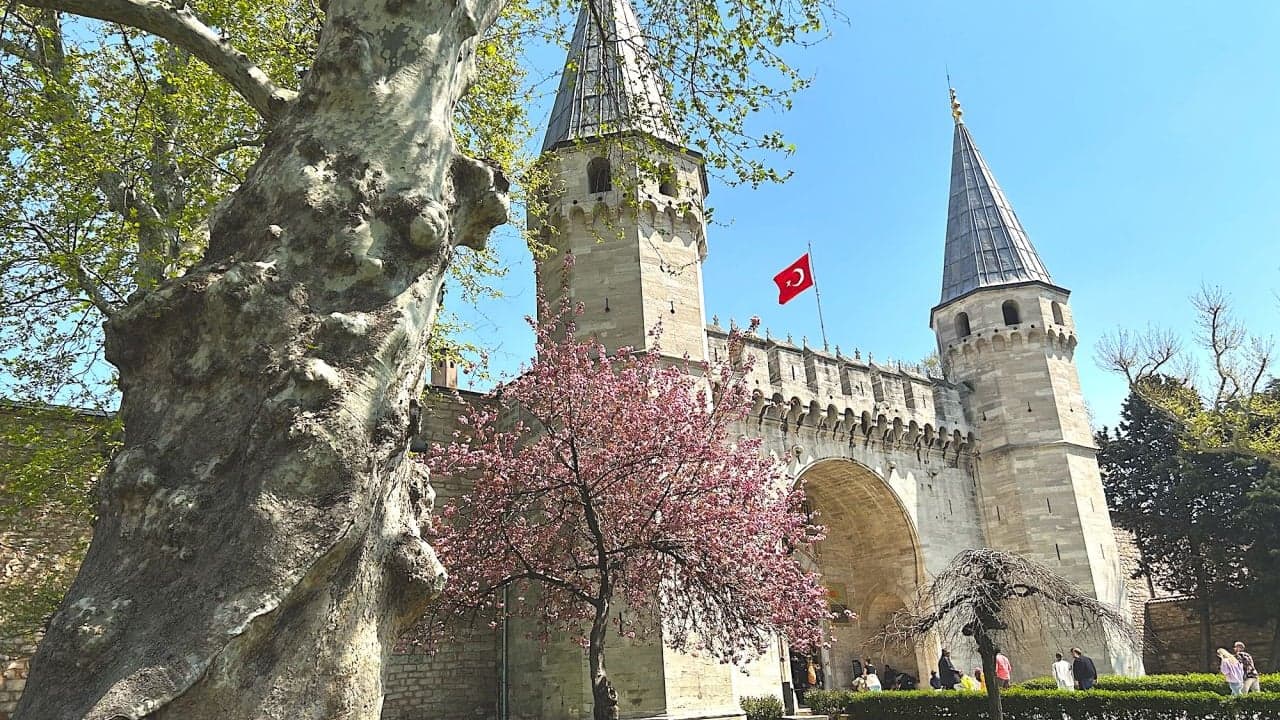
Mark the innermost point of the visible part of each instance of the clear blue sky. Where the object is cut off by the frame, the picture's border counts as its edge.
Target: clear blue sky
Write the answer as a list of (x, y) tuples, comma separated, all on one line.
[(1139, 143)]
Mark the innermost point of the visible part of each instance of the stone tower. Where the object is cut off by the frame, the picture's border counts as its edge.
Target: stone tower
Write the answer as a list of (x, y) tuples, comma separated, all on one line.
[(625, 196), (625, 199), (1006, 334)]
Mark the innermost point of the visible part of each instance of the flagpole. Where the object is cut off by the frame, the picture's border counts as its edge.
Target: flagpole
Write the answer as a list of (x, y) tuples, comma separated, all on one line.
[(818, 296)]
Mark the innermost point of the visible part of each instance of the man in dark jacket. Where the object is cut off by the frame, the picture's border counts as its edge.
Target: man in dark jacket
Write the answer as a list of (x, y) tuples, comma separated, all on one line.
[(947, 671), (1082, 667)]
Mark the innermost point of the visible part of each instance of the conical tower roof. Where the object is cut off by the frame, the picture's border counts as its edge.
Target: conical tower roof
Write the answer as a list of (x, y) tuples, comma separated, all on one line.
[(610, 83), (986, 245)]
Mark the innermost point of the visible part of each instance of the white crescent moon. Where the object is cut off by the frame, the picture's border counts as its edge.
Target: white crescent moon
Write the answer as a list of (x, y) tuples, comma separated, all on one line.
[(799, 278)]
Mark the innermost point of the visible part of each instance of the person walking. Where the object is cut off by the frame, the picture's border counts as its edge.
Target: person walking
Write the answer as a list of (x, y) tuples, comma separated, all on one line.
[(1004, 670), (1231, 670), (1251, 683), (1062, 673), (1083, 669), (947, 671)]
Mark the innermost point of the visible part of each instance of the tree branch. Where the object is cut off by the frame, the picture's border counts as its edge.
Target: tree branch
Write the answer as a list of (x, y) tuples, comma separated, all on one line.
[(73, 270), (19, 51), (179, 25)]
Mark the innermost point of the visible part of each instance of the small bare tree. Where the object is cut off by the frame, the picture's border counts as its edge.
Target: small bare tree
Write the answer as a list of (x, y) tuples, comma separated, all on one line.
[(983, 593), (1236, 412)]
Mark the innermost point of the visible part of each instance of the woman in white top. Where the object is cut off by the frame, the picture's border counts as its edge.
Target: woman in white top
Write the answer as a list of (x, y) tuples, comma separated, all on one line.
[(1232, 670)]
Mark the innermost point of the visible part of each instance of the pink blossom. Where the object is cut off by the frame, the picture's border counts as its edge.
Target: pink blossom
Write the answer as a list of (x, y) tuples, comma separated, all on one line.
[(600, 479)]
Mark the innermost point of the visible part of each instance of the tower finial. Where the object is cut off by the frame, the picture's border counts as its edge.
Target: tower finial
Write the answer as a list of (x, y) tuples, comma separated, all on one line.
[(956, 112)]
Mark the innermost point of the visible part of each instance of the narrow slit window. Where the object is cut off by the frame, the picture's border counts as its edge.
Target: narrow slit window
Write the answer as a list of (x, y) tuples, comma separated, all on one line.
[(667, 180), (599, 175), (1011, 314)]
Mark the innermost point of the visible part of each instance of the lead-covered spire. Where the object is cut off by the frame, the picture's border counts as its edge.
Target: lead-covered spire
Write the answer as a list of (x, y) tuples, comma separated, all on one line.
[(610, 83), (986, 245)]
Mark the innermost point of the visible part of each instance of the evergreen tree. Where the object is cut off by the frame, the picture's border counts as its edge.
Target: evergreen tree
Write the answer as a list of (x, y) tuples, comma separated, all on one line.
[(1185, 508), (1261, 533)]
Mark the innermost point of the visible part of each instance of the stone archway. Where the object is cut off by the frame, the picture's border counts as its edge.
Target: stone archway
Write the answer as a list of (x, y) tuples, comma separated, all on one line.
[(870, 561)]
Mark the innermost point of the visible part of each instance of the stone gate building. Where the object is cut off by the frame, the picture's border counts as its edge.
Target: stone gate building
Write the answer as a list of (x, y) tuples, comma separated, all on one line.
[(904, 468)]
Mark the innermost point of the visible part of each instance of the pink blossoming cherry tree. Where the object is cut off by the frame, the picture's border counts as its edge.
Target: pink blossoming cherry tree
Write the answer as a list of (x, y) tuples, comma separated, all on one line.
[(608, 481)]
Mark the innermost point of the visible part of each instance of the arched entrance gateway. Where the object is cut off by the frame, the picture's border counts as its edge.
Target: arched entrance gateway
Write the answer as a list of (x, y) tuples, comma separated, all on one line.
[(870, 562)]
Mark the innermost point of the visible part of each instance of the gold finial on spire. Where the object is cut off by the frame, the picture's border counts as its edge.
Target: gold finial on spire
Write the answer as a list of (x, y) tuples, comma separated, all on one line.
[(956, 112)]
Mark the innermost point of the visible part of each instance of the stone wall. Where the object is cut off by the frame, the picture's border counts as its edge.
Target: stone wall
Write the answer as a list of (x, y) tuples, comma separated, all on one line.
[(1171, 641), (47, 459), (1139, 588), (13, 678), (459, 680)]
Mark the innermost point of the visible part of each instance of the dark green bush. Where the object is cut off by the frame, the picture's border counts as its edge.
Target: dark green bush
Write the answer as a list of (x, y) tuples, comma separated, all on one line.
[(828, 702), (1020, 704), (763, 707), (1197, 682)]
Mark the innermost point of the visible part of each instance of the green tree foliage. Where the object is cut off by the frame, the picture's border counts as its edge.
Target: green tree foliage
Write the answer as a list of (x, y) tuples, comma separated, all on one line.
[(1192, 512), (118, 147)]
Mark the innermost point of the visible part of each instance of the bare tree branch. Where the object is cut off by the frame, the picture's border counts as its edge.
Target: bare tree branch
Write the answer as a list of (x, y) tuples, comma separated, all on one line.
[(985, 591), (1138, 357), (179, 25)]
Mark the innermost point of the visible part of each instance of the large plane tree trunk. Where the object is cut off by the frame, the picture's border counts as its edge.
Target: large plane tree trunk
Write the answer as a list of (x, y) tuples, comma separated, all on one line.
[(258, 545)]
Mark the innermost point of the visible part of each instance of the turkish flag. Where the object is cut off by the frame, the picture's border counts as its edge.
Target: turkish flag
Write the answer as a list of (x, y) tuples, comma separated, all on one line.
[(794, 280)]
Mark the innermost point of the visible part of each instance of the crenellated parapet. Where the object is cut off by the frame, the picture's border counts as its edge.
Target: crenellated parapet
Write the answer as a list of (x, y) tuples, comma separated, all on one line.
[(805, 391), (595, 189), (1054, 340)]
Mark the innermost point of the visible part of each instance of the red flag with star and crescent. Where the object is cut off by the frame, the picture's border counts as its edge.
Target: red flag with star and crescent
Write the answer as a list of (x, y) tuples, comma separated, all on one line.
[(797, 278)]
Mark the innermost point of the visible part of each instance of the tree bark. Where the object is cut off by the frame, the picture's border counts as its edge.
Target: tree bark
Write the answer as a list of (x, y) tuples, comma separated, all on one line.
[(1275, 645), (1207, 654), (258, 548), (987, 650), (603, 696)]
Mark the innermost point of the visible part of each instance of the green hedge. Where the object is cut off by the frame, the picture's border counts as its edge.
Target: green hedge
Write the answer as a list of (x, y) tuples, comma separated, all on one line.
[(1198, 682), (828, 702), (1022, 704), (764, 707)]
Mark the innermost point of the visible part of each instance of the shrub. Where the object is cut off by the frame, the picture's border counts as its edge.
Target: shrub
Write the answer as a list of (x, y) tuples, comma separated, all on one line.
[(828, 702), (762, 707), (1197, 682), (1020, 704)]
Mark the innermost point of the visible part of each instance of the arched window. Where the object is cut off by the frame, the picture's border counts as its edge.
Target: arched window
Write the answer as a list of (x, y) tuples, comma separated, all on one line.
[(962, 325), (1010, 310), (666, 180), (599, 175), (1057, 313)]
